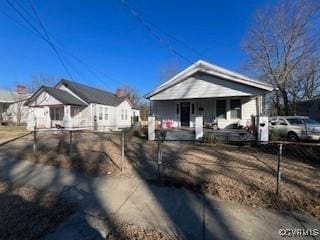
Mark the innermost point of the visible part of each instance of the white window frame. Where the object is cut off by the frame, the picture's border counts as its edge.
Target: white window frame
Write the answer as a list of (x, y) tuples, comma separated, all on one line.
[(106, 113)]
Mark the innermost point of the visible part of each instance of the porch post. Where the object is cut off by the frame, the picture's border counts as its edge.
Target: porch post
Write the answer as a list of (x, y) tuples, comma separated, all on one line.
[(67, 121), (199, 127)]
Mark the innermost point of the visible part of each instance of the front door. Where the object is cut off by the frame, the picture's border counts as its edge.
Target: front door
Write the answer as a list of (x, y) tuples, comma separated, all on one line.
[(185, 114)]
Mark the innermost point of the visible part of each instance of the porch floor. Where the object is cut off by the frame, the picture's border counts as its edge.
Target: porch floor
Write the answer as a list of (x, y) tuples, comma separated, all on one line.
[(222, 135)]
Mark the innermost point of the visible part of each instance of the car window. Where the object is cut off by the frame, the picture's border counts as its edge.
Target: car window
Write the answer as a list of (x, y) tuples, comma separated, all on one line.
[(310, 121), (281, 121), (295, 121)]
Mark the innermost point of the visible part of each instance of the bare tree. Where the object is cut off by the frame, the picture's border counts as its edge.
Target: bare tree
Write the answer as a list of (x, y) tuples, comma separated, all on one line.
[(39, 80), (133, 94), (280, 41)]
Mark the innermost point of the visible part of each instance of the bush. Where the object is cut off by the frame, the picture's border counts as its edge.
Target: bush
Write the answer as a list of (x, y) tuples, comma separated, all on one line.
[(209, 138)]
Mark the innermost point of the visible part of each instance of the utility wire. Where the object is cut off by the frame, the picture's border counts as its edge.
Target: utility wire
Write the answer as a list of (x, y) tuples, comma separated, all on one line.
[(153, 33), (47, 39), (70, 54), (194, 50), (36, 32)]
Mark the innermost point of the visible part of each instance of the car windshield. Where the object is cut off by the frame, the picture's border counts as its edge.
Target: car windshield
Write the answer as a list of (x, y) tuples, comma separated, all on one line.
[(295, 121), (311, 121)]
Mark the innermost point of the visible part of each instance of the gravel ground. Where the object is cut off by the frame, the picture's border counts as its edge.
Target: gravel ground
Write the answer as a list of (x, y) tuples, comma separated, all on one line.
[(27, 213)]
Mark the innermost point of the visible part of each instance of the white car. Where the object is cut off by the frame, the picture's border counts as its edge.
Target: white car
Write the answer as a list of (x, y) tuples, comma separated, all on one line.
[(295, 128)]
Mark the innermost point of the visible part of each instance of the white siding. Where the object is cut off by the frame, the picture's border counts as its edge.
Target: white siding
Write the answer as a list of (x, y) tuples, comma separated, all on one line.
[(45, 99), (206, 87), (122, 108)]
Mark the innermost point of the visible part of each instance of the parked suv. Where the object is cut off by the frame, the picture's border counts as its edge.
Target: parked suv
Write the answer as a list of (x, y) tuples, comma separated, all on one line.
[(295, 128)]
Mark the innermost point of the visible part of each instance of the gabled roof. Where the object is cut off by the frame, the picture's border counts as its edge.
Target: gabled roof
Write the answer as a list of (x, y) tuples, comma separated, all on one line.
[(12, 96), (210, 69), (92, 95), (62, 96)]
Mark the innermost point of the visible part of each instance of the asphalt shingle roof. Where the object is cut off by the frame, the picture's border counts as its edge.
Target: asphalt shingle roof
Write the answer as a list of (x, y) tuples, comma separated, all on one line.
[(11, 96), (93, 95), (63, 96)]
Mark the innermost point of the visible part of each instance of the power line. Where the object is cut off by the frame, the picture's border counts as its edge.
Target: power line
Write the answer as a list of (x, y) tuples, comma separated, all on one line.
[(37, 33), (47, 39), (153, 33), (70, 54), (194, 50)]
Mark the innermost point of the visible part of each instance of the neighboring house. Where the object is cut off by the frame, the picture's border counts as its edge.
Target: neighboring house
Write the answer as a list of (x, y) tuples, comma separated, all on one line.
[(72, 105), (309, 108), (217, 94), (12, 107)]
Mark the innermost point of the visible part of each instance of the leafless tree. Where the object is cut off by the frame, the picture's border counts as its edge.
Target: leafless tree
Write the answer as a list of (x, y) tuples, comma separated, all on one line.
[(132, 93), (282, 39), (41, 79)]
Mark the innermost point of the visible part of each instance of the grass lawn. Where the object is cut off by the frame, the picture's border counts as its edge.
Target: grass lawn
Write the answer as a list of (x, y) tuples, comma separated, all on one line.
[(10, 132), (27, 213)]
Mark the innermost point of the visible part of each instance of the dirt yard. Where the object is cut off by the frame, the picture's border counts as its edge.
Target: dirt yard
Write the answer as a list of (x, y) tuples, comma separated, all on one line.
[(10, 132), (244, 174), (27, 213), (92, 153)]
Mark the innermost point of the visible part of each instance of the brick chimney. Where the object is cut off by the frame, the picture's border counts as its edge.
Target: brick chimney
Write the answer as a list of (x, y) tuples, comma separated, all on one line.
[(121, 92), (21, 89)]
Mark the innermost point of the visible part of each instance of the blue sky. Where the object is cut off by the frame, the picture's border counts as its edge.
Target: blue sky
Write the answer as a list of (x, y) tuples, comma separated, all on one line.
[(111, 41)]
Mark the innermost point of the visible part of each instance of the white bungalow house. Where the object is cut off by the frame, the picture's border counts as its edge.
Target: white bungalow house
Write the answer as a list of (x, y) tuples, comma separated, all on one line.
[(12, 109), (73, 105), (221, 96)]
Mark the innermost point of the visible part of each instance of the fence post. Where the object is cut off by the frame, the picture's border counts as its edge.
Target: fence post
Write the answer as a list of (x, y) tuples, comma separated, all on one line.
[(34, 139), (70, 145), (159, 159), (278, 170), (122, 151)]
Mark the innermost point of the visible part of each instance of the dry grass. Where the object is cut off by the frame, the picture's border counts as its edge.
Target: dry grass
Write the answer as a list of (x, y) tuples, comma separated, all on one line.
[(10, 132), (244, 174), (133, 232), (27, 213), (92, 153)]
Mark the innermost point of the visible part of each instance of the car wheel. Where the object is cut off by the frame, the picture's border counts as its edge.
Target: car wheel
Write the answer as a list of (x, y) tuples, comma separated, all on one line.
[(293, 137)]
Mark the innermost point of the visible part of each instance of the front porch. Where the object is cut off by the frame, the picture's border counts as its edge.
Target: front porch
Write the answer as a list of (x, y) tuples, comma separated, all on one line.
[(219, 113), (221, 135), (56, 116)]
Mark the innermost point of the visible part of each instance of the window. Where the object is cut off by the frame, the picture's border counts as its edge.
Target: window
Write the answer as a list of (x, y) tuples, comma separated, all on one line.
[(106, 114), (235, 108), (56, 113), (74, 111), (126, 114), (177, 108), (100, 113), (122, 114), (295, 121), (192, 108), (221, 109)]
